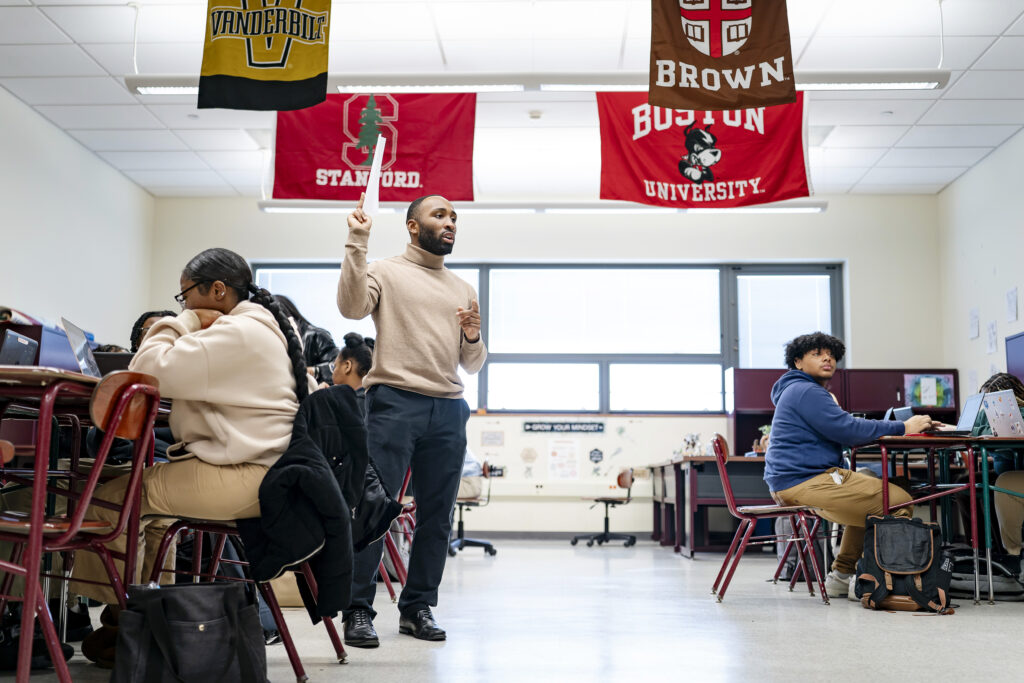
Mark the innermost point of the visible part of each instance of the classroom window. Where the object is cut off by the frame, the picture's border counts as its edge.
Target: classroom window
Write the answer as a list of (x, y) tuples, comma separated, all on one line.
[(665, 387), (562, 387), (773, 309)]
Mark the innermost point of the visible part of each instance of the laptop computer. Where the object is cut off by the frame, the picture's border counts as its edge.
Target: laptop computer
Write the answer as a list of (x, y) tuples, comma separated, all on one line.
[(1003, 414), (17, 349), (111, 361), (968, 416), (901, 414), (83, 352)]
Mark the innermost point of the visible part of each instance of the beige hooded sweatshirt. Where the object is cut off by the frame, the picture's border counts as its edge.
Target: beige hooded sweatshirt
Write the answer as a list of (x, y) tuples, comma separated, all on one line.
[(232, 384)]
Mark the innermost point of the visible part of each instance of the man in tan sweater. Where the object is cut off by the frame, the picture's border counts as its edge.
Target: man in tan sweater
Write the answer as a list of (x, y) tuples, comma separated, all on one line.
[(428, 324)]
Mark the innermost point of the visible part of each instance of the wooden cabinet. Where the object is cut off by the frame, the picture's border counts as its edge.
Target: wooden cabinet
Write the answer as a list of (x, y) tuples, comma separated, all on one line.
[(868, 391)]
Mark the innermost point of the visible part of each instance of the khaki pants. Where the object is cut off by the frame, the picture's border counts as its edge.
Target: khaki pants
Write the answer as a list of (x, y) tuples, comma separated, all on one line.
[(1010, 510), (848, 503), (185, 488)]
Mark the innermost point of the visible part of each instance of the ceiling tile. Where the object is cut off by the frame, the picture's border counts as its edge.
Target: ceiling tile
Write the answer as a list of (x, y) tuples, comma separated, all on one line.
[(155, 161), (222, 190), (867, 112), (975, 112), (957, 136), (804, 15), (150, 179), (597, 20), (1017, 29), (384, 57), (637, 55), (494, 55), (887, 52), (128, 140), (913, 176), (397, 21), (899, 188), (23, 25), (212, 140), (233, 161), (552, 114), (881, 18), (250, 177), (1006, 53), (46, 60), (638, 18), (174, 23), (861, 157), (864, 136), (980, 17), (188, 116), (838, 175), (113, 24), (101, 90), (154, 58), (484, 20), (102, 117), (818, 189), (934, 156), (250, 190), (983, 85), (576, 55), (4, 3)]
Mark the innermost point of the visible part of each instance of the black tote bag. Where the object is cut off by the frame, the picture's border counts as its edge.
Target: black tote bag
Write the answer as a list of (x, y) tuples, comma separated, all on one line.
[(190, 633)]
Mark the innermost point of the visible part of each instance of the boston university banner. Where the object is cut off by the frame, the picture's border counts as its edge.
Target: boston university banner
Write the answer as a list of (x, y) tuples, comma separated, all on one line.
[(720, 54), (265, 58), (325, 152), (691, 159)]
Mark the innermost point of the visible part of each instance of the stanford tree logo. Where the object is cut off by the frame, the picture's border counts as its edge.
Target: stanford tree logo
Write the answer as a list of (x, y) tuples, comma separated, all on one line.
[(717, 28)]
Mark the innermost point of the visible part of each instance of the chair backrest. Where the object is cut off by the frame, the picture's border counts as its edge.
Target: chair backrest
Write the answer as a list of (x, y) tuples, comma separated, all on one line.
[(625, 481), (105, 397), (721, 448)]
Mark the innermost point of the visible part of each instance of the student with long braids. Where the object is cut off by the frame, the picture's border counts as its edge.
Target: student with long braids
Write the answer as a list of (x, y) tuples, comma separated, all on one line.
[(142, 325), (232, 365)]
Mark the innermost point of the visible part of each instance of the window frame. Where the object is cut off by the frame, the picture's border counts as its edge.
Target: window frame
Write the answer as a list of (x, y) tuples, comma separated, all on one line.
[(727, 357)]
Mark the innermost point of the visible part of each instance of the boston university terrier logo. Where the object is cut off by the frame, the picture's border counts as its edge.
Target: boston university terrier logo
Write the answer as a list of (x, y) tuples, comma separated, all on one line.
[(701, 154), (717, 28)]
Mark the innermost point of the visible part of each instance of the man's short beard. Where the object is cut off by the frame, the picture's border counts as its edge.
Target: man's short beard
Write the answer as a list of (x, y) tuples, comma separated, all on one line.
[(434, 244)]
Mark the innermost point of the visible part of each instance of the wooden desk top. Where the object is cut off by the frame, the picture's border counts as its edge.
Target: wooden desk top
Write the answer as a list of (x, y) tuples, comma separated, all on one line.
[(34, 376)]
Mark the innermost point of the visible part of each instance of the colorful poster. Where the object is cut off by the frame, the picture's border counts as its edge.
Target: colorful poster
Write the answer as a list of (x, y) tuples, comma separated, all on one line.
[(931, 391), (700, 159), (265, 58), (326, 151), (563, 459), (720, 54)]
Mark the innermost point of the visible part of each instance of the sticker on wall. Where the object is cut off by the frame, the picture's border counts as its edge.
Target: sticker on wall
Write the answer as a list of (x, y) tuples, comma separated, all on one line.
[(973, 324), (1011, 306), (993, 337), (596, 456), (596, 472), (528, 456), (972, 381)]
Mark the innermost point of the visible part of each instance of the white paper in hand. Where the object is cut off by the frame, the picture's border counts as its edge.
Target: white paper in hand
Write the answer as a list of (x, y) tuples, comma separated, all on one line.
[(371, 204)]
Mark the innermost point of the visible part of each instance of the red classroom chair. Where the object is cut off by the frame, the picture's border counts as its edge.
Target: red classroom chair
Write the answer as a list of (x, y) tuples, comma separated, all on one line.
[(802, 539)]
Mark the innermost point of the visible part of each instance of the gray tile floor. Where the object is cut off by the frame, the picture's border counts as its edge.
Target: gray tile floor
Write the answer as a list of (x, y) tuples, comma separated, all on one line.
[(546, 611)]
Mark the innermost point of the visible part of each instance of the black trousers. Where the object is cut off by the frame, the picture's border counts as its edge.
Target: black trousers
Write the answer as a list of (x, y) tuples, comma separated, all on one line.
[(405, 429)]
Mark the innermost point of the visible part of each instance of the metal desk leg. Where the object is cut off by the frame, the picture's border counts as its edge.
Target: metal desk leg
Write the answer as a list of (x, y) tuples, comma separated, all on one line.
[(677, 508), (885, 480), (985, 495), (971, 466)]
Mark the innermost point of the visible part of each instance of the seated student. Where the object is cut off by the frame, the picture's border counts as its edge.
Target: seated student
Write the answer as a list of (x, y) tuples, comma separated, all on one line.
[(232, 365), (1003, 460), (353, 362), (142, 325), (1010, 513), (318, 346), (803, 464), (472, 483)]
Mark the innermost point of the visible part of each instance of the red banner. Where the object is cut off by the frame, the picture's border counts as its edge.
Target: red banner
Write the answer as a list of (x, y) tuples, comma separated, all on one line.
[(325, 152), (720, 54), (690, 159)]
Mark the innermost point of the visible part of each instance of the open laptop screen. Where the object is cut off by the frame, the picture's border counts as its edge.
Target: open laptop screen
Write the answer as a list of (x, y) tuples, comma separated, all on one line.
[(80, 345)]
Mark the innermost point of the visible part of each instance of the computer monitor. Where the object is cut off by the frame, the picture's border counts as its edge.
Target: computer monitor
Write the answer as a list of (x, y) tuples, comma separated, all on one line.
[(1015, 355)]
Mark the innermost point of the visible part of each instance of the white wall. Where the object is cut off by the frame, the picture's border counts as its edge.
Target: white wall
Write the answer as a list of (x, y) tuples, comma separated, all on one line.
[(888, 245), (982, 239), (75, 232)]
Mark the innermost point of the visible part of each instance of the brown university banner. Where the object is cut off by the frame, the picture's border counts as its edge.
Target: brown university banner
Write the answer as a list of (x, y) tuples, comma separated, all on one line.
[(712, 55)]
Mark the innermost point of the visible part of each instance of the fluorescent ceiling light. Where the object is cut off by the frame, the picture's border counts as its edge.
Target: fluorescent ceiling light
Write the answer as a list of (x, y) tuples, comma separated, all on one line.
[(546, 207), (877, 79)]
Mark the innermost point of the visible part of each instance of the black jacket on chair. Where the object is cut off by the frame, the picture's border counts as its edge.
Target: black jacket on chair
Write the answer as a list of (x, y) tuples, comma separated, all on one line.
[(304, 514)]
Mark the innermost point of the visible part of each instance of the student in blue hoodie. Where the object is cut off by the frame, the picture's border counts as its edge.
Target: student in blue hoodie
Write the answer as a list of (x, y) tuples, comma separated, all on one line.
[(804, 462)]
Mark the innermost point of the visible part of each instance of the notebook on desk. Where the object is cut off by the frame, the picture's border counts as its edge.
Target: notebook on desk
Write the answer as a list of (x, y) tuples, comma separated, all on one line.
[(17, 349), (80, 345), (1003, 414)]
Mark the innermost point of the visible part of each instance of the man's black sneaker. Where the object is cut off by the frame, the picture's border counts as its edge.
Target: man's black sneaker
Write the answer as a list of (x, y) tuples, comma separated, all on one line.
[(420, 624), (359, 631)]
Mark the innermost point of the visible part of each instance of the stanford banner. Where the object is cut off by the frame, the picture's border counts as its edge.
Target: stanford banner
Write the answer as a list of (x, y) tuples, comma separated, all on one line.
[(690, 159), (720, 54), (265, 58), (325, 152)]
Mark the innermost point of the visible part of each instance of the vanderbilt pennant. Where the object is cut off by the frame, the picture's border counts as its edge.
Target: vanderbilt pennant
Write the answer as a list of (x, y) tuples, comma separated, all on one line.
[(689, 158), (720, 54), (325, 152)]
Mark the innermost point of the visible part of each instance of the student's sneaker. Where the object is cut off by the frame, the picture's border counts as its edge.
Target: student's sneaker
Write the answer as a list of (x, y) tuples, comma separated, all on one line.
[(852, 594), (838, 585)]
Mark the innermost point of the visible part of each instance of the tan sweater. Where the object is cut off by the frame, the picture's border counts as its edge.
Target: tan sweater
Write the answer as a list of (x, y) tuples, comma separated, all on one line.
[(413, 299), (232, 384)]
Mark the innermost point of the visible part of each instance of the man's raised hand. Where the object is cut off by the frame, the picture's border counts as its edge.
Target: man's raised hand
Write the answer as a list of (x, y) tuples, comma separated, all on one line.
[(359, 218), (470, 321)]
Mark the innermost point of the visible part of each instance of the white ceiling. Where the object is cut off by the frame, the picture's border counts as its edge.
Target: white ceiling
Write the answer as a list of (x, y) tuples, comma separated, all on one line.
[(67, 58)]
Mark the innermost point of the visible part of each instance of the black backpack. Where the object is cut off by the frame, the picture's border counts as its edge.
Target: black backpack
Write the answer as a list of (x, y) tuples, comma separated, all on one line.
[(904, 567)]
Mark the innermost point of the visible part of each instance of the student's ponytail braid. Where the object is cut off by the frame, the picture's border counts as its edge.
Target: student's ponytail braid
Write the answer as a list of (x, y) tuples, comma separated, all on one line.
[(266, 299)]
